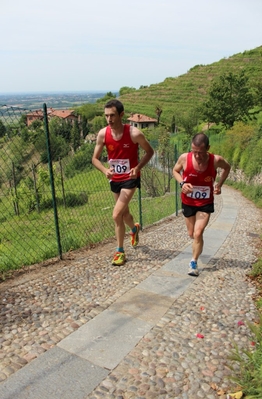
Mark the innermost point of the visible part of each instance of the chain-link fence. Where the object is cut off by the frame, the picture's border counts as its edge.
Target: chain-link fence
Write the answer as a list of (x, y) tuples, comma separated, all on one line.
[(53, 200)]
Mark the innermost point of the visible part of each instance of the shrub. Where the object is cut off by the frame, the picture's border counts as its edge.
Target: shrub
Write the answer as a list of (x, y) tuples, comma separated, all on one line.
[(72, 199)]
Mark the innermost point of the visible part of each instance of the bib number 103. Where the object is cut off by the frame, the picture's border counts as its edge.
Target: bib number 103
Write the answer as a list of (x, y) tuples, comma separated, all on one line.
[(200, 192)]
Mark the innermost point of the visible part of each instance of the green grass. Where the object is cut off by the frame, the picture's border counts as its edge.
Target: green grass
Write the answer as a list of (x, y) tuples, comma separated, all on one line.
[(31, 237)]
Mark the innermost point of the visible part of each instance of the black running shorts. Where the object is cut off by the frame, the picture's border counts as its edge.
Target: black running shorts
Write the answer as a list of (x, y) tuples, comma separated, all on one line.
[(192, 210), (131, 183)]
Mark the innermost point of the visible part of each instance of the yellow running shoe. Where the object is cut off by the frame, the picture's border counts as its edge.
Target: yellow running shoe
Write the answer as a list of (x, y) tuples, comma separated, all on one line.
[(119, 259), (134, 236)]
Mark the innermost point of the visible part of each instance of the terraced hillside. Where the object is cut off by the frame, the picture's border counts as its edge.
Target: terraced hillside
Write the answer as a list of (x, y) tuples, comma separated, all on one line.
[(178, 95)]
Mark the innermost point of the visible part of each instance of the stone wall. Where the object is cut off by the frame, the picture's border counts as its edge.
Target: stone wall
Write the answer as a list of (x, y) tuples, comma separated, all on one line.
[(239, 176)]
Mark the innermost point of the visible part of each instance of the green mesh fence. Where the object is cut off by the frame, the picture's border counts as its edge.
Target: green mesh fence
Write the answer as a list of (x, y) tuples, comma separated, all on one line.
[(52, 200)]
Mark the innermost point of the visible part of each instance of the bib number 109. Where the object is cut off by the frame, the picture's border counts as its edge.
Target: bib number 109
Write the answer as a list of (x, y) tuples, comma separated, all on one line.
[(200, 192), (120, 166)]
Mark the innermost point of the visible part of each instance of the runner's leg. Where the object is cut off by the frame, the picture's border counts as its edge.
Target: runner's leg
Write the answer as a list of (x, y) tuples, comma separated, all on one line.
[(121, 214), (201, 221)]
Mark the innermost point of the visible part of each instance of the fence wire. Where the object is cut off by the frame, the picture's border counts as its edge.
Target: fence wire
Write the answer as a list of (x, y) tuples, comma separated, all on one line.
[(38, 223)]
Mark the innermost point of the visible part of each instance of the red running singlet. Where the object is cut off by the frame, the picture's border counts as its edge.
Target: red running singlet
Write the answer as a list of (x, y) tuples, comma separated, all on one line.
[(203, 183), (122, 154)]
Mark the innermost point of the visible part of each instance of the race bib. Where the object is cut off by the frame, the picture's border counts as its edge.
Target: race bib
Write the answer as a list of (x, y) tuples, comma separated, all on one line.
[(200, 192), (120, 166)]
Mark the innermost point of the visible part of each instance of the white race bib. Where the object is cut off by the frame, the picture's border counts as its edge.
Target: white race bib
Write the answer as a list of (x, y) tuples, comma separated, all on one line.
[(120, 166), (200, 192)]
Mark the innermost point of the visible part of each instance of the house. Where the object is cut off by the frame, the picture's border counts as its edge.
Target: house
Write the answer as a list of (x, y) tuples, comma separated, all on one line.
[(66, 114), (34, 115), (142, 121)]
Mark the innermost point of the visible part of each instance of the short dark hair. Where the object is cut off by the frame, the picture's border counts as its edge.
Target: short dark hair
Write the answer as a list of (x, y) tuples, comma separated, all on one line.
[(199, 139), (115, 103)]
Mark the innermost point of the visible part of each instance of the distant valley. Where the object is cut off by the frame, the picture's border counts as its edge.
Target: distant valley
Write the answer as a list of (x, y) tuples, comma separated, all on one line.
[(32, 101)]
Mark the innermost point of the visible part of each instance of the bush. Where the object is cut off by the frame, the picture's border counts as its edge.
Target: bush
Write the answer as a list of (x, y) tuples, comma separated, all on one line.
[(80, 161), (72, 199)]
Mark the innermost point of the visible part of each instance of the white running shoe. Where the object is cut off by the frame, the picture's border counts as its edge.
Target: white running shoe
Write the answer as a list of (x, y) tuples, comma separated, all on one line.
[(193, 271)]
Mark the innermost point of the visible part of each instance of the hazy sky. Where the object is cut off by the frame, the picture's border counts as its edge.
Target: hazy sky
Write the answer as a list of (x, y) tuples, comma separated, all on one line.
[(62, 45)]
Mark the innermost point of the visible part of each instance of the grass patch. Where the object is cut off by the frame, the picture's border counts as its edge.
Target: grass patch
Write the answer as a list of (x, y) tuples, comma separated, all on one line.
[(31, 236)]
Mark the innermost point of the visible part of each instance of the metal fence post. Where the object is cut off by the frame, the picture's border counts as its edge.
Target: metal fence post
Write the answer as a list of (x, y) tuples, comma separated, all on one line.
[(52, 181)]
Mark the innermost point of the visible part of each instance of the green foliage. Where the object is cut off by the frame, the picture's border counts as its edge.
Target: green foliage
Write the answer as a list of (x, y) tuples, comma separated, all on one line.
[(256, 269), (22, 121), (253, 165), (75, 134), (72, 199), (178, 95), (81, 160), (236, 144), (12, 157), (32, 133), (60, 127), (59, 147), (35, 195), (229, 99), (89, 111), (84, 126), (126, 90), (25, 135), (2, 129), (36, 124), (109, 96), (98, 123), (249, 376)]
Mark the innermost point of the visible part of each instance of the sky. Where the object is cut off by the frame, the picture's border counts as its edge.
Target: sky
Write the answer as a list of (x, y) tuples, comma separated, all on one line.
[(84, 45)]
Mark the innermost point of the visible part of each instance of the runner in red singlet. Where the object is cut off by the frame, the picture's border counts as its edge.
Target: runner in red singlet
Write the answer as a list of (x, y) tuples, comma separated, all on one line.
[(196, 173), (122, 143)]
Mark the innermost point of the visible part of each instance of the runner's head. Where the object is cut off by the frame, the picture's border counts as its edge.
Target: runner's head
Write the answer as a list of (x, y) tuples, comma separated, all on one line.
[(117, 104), (199, 139)]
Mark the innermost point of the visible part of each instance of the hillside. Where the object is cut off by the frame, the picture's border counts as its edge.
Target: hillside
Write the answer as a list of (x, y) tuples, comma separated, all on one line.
[(177, 95)]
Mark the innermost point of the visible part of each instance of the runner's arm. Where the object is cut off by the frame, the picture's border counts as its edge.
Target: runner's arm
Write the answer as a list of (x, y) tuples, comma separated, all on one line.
[(221, 163), (138, 137), (97, 154), (179, 166)]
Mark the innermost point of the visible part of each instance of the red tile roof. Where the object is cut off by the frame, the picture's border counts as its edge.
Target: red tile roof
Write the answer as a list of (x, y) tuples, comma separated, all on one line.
[(140, 118), (62, 113)]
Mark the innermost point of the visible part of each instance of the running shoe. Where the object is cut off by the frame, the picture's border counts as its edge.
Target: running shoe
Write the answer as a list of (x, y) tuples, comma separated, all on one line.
[(119, 259), (193, 271), (134, 236)]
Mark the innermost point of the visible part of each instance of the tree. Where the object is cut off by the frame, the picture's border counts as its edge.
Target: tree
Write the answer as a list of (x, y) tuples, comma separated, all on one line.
[(89, 111), (98, 123), (173, 124), (59, 147), (126, 90), (75, 133), (188, 121), (258, 92), (229, 99), (60, 127), (109, 96), (84, 126), (158, 113), (2, 129)]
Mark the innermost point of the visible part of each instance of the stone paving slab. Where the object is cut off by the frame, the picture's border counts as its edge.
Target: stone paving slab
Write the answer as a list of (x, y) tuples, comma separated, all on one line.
[(106, 339), (143, 305), (55, 374), (163, 285)]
